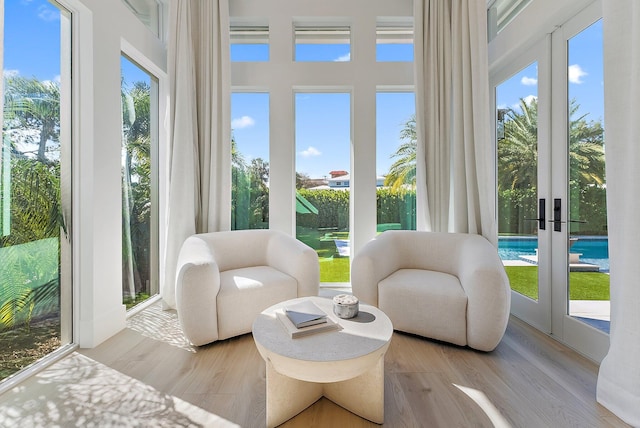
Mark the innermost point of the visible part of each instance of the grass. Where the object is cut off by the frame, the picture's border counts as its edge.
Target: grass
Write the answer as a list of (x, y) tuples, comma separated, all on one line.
[(332, 268), (583, 285)]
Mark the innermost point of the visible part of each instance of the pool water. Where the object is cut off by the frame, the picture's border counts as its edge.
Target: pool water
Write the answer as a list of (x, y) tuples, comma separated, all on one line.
[(594, 250)]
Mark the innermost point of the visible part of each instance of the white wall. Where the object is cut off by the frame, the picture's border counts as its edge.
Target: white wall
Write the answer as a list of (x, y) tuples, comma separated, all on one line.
[(99, 28)]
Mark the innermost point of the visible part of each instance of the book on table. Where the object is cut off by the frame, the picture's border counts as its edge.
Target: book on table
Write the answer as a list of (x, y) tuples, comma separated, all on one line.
[(294, 332), (305, 313)]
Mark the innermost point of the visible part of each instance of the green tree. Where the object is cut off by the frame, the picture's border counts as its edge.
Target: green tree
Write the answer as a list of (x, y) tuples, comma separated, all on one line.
[(518, 152), (403, 170), (33, 105), (29, 280), (259, 199), (518, 164), (136, 176)]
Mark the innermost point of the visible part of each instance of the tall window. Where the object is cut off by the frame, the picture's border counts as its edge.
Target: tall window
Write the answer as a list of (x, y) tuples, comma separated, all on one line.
[(323, 134), (331, 139), (139, 184), (250, 161), (34, 169), (396, 160)]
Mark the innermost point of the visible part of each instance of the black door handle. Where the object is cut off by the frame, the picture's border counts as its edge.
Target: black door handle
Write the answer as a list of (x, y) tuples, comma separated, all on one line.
[(557, 215), (541, 214)]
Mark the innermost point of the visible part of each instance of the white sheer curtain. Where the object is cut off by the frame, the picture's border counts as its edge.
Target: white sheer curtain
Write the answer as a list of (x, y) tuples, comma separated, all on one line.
[(200, 153), (455, 176), (619, 377)]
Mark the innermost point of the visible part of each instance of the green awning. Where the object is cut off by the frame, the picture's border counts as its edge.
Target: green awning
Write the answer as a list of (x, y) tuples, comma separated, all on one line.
[(303, 206)]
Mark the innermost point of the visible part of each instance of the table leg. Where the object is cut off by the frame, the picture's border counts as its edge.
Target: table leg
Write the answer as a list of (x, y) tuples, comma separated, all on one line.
[(362, 395), (286, 397)]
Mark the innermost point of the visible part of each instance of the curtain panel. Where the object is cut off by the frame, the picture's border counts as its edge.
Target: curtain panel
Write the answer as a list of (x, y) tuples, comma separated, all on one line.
[(455, 154), (199, 118), (619, 377)]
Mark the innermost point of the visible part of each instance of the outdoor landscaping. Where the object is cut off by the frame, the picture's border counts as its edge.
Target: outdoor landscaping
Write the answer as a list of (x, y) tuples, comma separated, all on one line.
[(583, 285)]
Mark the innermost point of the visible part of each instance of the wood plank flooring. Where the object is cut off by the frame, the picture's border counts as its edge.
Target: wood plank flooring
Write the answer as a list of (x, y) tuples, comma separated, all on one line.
[(148, 375)]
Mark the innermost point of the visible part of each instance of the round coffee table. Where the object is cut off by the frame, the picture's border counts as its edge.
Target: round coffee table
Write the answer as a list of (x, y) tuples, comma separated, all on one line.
[(345, 365)]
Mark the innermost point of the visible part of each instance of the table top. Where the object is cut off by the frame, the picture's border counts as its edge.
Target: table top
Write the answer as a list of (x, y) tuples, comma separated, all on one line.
[(367, 333)]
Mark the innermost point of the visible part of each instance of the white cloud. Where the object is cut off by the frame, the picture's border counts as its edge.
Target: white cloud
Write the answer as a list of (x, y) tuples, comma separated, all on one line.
[(529, 81), (576, 73), (527, 101), (311, 151), (10, 73), (47, 13), (242, 122), (343, 58)]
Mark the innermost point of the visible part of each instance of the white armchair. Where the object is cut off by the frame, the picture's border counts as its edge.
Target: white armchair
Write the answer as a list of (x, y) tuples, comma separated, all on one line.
[(446, 286), (225, 279)]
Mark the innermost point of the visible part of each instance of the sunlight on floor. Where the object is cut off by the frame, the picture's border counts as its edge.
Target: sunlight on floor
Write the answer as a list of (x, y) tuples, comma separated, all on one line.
[(88, 393), (486, 405), (158, 324)]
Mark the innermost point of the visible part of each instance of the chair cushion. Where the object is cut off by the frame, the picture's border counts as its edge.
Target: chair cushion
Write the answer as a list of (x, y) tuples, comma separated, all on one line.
[(428, 303), (246, 292)]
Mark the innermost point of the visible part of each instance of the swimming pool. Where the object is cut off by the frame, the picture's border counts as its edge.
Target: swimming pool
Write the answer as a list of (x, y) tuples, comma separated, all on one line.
[(594, 249)]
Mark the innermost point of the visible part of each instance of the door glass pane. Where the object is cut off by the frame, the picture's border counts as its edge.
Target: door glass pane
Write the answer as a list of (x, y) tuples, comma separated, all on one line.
[(588, 237), (517, 134), (33, 164), (250, 161), (396, 161), (323, 144), (139, 178)]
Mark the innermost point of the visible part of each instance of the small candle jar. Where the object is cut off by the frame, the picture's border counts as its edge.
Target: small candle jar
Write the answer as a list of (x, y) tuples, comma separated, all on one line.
[(345, 306)]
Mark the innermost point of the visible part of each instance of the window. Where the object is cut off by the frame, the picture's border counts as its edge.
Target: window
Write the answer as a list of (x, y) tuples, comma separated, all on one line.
[(396, 160), (139, 183), (322, 42), (35, 272), (149, 12), (323, 134), (322, 77), (249, 41), (394, 40), (250, 160), (502, 12)]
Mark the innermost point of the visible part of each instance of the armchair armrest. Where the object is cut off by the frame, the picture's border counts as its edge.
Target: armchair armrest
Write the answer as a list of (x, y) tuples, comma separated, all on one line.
[(486, 284), (296, 259), (197, 286), (374, 262)]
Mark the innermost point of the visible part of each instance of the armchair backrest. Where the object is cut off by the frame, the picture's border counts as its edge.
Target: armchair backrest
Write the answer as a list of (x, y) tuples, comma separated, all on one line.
[(239, 248), (437, 251)]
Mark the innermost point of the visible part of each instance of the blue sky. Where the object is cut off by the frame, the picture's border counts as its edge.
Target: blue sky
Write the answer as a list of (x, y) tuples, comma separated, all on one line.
[(322, 120), (32, 39), (585, 73)]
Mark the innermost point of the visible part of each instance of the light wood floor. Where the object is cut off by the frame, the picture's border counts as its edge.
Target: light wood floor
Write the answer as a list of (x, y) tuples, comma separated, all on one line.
[(148, 375)]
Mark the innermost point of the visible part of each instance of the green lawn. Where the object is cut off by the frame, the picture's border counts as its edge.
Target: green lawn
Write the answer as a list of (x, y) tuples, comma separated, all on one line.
[(332, 267), (583, 285)]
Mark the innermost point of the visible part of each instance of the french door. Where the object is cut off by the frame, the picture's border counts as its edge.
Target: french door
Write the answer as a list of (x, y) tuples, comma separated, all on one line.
[(552, 185)]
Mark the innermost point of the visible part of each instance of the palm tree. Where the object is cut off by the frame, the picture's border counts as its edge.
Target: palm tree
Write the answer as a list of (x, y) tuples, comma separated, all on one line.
[(29, 281), (403, 170), (518, 152), (136, 177), (518, 163), (35, 105)]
